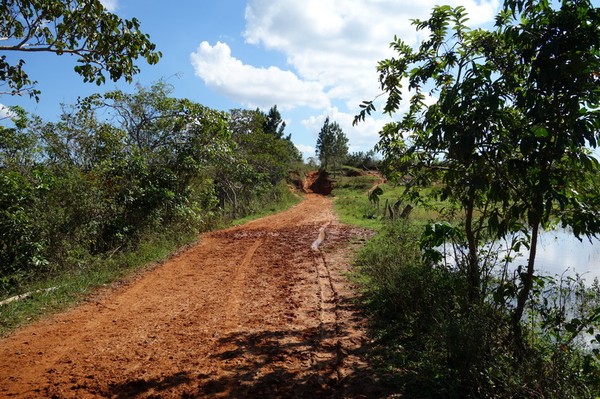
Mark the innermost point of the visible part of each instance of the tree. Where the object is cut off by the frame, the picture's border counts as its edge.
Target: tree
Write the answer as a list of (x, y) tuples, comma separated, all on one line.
[(517, 109), (362, 160), (153, 157), (261, 141), (553, 77), (103, 42), (332, 145), (274, 124)]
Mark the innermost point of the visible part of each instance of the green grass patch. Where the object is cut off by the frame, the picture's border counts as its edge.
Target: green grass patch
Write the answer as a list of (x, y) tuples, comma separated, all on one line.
[(356, 183), (286, 199), (351, 201), (353, 206)]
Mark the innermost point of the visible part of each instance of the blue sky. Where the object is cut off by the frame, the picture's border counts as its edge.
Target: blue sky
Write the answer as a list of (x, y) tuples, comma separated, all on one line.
[(312, 58)]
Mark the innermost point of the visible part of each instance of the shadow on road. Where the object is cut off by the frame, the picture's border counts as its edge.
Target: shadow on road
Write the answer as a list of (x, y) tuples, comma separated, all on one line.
[(307, 363)]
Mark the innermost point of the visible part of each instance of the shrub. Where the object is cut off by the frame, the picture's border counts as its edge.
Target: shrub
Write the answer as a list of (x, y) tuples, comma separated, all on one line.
[(441, 345)]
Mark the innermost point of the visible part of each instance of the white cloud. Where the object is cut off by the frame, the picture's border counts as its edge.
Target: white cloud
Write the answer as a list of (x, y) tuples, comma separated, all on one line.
[(332, 48), (252, 86), (110, 5), (306, 150), (339, 42)]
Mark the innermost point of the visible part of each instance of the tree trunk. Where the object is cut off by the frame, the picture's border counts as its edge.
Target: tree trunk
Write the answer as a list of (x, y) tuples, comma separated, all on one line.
[(527, 279), (473, 275)]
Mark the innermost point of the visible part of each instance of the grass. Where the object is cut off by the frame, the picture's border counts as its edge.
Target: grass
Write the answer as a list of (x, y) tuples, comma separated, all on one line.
[(288, 198), (428, 340), (353, 206), (93, 273)]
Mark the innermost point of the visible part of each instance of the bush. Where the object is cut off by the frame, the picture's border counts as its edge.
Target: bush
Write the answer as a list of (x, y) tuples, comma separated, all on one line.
[(20, 247), (86, 187), (439, 345), (363, 160)]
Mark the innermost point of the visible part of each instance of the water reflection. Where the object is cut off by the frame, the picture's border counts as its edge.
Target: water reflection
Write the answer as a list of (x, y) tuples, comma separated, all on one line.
[(559, 250)]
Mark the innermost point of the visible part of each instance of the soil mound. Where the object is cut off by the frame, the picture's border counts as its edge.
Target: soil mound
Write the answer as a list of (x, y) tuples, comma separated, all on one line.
[(318, 182)]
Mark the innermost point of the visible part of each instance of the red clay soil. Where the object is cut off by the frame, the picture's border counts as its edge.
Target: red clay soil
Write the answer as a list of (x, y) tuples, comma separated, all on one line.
[(318, 182), (250, 312)]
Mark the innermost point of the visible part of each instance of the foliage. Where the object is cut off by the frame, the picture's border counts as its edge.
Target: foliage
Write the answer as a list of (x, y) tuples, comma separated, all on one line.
[(20, 251), (103, 42), (332, 145), (120, 167), (362, 160), (436, 349), (507, 141), (516, 108), (273, 123), (254, 131), (267, 157)]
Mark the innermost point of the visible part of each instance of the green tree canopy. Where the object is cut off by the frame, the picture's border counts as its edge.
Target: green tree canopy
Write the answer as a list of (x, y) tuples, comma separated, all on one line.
[(260, 139), (274, 124), (517, 110), (103, 42), (332, 145)]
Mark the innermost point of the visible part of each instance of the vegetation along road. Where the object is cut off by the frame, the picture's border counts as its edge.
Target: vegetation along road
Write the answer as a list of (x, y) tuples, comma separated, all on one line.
[(251, 311)]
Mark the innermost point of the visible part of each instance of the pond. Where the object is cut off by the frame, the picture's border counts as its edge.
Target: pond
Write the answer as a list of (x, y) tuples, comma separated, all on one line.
[(559, 250)]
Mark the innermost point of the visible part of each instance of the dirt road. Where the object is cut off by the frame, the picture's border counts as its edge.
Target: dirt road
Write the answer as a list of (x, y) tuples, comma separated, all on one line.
[(250, 312)]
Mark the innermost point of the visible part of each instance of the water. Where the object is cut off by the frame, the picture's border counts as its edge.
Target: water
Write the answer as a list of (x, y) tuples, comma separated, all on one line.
[(559, 251)]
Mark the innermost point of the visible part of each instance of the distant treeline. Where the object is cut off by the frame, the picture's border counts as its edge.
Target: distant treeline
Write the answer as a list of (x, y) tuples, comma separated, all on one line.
[(119, 166)]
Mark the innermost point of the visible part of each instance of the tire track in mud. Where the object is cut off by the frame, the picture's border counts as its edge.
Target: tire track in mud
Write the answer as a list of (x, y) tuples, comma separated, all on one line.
[(250, 312), (233, 302), (328, 303)]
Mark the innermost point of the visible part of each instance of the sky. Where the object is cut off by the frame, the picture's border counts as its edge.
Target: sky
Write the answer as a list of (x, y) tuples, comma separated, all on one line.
[(312, 58)]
